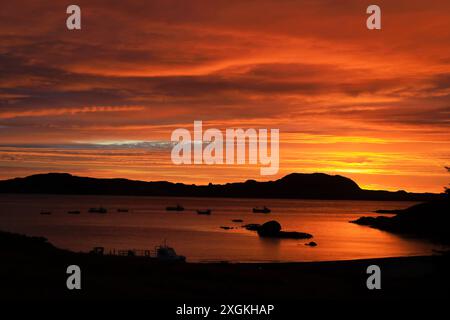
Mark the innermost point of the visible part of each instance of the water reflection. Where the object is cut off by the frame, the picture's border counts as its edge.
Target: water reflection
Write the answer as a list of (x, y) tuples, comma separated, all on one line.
[(200, 238)]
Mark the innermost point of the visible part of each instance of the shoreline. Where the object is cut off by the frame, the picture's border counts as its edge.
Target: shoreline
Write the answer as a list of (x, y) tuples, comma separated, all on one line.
[(33, 269), (262, 262)]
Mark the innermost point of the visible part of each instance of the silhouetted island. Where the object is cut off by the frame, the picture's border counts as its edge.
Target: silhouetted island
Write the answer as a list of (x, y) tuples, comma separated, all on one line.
[(292, 186)]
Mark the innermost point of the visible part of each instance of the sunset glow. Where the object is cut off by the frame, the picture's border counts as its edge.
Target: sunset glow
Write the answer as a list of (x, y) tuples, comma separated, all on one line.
[(102, 102)]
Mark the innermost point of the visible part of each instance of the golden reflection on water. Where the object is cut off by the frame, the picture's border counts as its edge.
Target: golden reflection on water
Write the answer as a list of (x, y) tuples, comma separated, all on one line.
[(200, 238)]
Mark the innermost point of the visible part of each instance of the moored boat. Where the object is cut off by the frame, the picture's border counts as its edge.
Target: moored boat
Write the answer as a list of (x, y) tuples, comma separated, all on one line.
[(176, 208), (205, 212), (166, 253), (261, 210), (98, 210)]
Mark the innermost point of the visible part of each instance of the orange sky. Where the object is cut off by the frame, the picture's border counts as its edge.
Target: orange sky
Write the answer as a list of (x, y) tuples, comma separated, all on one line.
[(370, 105)]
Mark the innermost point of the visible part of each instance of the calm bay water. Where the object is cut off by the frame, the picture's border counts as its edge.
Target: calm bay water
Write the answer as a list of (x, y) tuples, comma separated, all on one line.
[(200, 237)]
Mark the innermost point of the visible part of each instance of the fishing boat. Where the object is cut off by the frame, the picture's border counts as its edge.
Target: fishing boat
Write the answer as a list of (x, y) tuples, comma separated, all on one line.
[(206, 212), (122, 210), (98, 210), (74, 212), (45, 213), (261, 210), (166, 253), (176, 208)]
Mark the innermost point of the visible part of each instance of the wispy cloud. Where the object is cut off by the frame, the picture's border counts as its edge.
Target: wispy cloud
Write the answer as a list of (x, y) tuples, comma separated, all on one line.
[(138, 70), (66, 111)]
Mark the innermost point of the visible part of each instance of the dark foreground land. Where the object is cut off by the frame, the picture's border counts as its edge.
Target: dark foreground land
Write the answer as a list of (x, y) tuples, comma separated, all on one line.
[(32, 269)]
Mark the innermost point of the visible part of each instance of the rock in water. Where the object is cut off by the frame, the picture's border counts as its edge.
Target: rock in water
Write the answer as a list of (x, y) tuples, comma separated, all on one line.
[(269, 229), (272, 229), (294, 235)]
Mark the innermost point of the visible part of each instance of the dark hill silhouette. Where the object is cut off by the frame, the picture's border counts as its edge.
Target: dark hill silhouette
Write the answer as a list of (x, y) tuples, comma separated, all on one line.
[(430, 220), (293, 186)]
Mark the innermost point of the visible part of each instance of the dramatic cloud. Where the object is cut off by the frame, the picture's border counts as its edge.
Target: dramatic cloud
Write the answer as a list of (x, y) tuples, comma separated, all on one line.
[(373, 105)]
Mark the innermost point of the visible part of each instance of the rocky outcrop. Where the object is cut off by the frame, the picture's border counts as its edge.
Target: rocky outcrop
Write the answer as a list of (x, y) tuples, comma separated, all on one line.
[(269, 229), (272, 229), (430, 220)]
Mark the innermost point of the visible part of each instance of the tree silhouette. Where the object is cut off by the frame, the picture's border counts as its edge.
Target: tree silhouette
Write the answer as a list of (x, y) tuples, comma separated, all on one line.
[(447, 190)]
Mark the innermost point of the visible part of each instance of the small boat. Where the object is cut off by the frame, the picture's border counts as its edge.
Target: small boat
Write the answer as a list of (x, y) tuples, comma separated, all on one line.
[(74, 212), (261, 210), (237, 220), (206, 212), (176, 208), (166, 253), (122, 210), (45, 213), (226, 227), (98, 210)]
